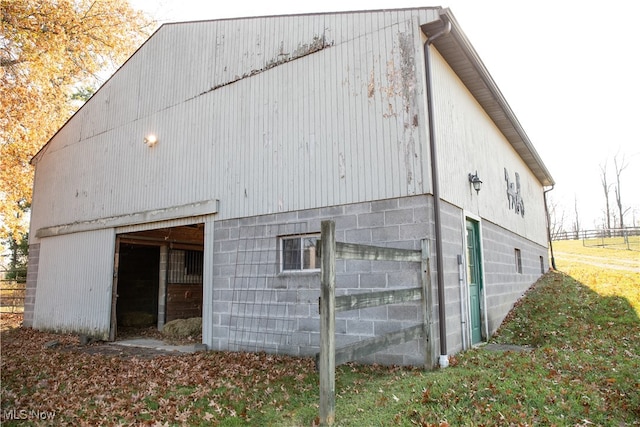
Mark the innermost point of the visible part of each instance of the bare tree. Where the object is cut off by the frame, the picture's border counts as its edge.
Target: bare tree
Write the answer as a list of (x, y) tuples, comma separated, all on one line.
[(619, 166), (576, 224), (556, 219), (606, 188)]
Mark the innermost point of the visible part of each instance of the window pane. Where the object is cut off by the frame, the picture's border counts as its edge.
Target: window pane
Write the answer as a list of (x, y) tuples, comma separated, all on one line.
[(311, 258), (518, 261), (193, 262), (291, 254)]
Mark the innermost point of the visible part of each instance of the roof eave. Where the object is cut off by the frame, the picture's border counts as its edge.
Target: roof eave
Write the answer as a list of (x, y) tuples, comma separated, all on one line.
[(465, 62)]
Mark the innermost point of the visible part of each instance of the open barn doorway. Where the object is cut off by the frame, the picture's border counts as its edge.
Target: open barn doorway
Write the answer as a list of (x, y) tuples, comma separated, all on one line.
[(158, 278)]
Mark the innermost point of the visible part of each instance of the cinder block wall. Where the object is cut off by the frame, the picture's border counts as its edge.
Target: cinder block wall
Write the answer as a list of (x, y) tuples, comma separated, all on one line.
[(32, 280), (504, 285), (256, 307)]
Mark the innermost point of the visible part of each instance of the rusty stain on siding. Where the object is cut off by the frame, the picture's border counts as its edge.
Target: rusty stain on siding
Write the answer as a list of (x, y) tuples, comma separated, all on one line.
[(401, 93), (371, 87)]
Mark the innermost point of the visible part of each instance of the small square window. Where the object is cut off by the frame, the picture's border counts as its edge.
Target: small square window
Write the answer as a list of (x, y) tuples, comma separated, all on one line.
[(299, 253), (518, 261)]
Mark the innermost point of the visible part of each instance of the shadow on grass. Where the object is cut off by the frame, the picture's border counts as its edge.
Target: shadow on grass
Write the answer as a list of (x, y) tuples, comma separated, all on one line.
[(584, 367)]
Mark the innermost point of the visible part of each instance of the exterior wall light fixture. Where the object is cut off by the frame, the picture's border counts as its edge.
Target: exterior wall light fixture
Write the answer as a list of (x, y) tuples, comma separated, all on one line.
[(475, 181), (151, 140)]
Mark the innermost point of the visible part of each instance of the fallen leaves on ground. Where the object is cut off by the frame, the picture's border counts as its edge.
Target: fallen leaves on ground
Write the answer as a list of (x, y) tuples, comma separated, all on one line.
[(45, 373)]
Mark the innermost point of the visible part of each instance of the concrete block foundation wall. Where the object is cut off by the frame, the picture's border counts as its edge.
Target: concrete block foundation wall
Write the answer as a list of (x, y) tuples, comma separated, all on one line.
[(504, 285), (257, 307)]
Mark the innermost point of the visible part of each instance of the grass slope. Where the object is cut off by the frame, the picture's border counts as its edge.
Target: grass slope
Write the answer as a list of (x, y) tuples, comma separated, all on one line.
[(584, 370)]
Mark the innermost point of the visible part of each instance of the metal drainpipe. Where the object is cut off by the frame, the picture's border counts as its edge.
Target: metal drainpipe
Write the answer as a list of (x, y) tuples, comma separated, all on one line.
[(546, 210), (442, 318)]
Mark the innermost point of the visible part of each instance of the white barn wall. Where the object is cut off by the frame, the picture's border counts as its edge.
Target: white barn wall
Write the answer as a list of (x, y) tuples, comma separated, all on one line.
[(341, 126), (345, 121), (75, 281), (468, 141)]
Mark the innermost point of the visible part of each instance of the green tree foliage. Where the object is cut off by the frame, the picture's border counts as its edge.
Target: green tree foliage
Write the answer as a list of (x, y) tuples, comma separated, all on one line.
[(19, 254)]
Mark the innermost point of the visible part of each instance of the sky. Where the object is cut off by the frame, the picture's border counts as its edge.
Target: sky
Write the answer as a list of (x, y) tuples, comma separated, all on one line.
[(569, 70)]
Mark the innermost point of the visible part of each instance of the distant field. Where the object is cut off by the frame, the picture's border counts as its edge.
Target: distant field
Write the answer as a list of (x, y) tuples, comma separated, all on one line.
[(607, 271), (630, 243)]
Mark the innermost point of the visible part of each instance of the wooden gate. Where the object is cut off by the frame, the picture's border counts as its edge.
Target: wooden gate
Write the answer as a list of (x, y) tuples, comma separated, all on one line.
[(329, 357)]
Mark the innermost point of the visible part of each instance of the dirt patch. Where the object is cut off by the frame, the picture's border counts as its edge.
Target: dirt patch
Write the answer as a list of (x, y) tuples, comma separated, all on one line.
[(114, 350), (153, 332)]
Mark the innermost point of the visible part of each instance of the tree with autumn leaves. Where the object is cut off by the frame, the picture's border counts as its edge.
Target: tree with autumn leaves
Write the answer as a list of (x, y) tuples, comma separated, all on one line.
[(52, 52)]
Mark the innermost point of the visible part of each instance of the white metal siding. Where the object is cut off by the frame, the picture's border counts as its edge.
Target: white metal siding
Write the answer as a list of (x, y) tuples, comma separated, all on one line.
[(75, 279), (340, 125), (467, 140)]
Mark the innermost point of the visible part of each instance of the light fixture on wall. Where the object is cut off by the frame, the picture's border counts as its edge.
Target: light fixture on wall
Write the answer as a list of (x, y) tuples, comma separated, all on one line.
[(475, 181), (150, 140)]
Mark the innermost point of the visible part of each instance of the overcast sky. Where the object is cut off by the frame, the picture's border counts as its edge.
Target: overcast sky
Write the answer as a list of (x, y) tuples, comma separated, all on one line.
[(569, 69)]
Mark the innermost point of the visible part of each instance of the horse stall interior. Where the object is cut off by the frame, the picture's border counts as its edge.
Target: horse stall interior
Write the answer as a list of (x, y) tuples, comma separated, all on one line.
[(159, 276)]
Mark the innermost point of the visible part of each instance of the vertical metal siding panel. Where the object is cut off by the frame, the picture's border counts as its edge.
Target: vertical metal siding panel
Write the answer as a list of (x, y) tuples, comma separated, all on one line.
[(351, 124), (469, 140), (208, 274), (74, 292), (362, 159), (283, 130), (335, 137), (301, 134), (303, 84), (315, 111), (364, 139), (268, 126), (296, 130), (253, 106), (390, 125), (334, 88), (383, 183), (373, 138), (325, 134)]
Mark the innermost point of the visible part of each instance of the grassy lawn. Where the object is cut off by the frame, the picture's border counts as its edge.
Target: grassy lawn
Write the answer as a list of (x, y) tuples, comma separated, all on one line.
[(584, 369), (607, 271)]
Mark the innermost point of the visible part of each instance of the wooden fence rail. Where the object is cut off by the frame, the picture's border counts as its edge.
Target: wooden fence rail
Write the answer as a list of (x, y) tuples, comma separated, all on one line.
[(329, 357), (12, 295)]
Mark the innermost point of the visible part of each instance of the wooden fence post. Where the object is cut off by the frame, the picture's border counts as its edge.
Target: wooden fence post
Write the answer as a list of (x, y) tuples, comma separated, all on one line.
[(327, 365)]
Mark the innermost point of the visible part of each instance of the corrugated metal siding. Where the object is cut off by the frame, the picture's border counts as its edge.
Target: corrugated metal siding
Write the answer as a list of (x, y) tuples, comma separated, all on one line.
[(81, 264), (468, 141), (342, 124)]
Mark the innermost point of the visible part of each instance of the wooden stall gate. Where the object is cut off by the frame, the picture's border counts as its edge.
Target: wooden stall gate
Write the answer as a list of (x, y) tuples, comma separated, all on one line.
[(329, 357)]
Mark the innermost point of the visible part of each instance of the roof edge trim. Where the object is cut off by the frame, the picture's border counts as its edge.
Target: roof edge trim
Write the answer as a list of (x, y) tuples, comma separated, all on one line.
[(461, 40)]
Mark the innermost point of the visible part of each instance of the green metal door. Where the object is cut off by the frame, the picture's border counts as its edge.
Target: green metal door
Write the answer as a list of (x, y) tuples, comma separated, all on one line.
[(474, 278)]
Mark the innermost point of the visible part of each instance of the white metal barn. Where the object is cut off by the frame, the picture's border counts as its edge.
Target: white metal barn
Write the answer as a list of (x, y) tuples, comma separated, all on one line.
[(194, 182)]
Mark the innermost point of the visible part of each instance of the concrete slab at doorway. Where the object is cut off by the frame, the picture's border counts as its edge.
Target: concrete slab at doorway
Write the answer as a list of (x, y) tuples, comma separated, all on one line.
[(156, 345)]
